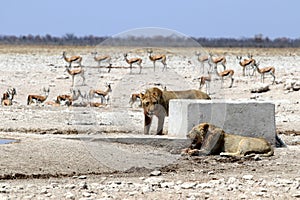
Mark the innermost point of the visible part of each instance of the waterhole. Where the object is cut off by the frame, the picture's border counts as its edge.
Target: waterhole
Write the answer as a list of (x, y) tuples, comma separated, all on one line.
[(7, 141)]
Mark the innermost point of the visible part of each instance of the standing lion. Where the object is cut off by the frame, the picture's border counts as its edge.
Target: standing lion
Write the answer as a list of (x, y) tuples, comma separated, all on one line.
[(156, 102)]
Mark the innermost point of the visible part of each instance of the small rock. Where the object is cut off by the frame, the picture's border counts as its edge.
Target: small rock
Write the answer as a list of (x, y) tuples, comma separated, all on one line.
[(211, 173), (289, 84), (194, 195), (54, 185), (48, 194), (296, 86), (62, 77), (44, 191), (3, 190), (20, 187), (83, 185), (118, 182), (69, 195), (155, 173), (232, 187), (259, 88), (203, 185), (278, 81), (153, 180), (132, 193), (243, 196), (146, 189), (248, 177), (260, 194), (263, 190), (31, 196), (70, 186), (179, 182), (82, 177), (231, 180), (296, 195), (188, 185), (86, 194), (167, 185)]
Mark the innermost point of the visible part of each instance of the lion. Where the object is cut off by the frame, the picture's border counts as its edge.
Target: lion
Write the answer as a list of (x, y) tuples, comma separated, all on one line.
[(208, 139), (156, 102)]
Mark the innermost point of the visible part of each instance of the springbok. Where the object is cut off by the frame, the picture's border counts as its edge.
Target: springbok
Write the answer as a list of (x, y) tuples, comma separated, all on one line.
[(38, 99), (246, 63), (131, 61), (205, 80), (203, 59), (72, 59), (8, 96), (266, 70), (218, 60), (104, 95), (133, 98), (74, 72), (159, 57), (67, 99), (103, 58), (225, 73)]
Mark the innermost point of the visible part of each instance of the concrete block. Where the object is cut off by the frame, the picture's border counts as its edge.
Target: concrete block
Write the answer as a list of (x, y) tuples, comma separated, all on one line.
[(247, 118)]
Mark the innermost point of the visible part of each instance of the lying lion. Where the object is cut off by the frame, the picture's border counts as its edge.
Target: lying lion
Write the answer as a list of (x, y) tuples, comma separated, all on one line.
[(208, 139), (156, 102)]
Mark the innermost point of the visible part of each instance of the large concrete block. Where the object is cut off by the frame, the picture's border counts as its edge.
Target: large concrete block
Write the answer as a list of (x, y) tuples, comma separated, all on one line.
[(247, 118)]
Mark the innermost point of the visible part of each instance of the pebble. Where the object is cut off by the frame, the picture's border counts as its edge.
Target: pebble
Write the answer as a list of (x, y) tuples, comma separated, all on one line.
[(248, 177), (83, 185), (86, 194), (155, 173), (210, 172), (188, 185), (132, 193), (212, 189), (296, 195), (203, 185), (69, 195), (70, 186), (153, 180), (44, 191), (82, 177), (167, 184), (3, 190)]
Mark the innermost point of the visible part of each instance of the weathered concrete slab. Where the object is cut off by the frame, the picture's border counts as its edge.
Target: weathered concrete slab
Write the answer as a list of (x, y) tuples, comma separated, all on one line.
[(248, 118), (124, 152)]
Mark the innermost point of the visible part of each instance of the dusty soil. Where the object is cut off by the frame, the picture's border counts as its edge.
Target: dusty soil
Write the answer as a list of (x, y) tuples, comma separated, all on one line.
[(71, 153)]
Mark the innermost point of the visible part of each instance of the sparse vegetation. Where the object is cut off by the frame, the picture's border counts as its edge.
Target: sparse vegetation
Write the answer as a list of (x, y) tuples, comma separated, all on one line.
[(258, 41)]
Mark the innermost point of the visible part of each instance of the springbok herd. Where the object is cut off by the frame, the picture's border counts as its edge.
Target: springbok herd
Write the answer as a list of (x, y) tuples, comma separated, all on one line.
[(208, 63)]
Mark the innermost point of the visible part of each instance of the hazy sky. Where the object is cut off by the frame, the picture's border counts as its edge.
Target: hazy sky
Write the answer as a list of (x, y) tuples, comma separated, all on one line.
[(198, 18)]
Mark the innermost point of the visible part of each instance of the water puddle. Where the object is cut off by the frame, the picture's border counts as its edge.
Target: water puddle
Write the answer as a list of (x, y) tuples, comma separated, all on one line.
[(7, 141)]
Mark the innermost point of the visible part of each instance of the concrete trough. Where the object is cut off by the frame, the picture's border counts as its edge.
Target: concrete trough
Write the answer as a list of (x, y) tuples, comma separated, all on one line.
[(247, 118)]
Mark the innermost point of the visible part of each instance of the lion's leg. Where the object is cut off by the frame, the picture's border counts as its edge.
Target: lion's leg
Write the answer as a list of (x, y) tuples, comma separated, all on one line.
[(239, 153), (211, 144), (160, 125), (147, 124)]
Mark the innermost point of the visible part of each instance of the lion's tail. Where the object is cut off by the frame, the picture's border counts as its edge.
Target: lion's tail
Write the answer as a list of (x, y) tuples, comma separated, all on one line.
[(268, 154)]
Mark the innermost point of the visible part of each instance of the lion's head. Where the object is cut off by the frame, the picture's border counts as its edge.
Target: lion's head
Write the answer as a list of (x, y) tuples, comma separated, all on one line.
[(152, 101), (198, 134), (201, 132)]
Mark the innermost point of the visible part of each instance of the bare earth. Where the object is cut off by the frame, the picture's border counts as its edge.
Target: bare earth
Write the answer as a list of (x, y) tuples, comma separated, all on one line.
[(101, 153)]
